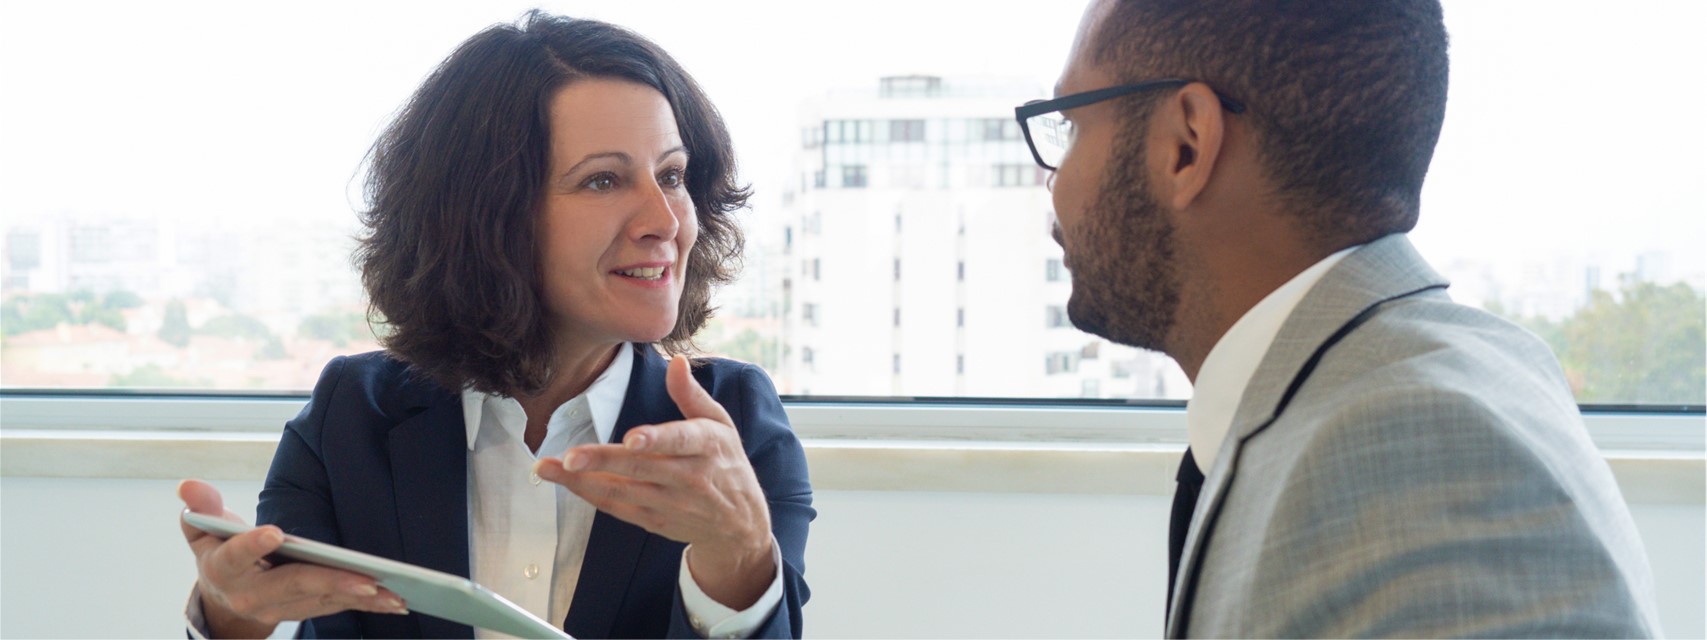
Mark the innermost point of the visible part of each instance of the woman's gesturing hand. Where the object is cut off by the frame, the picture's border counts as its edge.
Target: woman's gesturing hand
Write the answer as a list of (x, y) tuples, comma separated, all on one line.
[(688, 481)]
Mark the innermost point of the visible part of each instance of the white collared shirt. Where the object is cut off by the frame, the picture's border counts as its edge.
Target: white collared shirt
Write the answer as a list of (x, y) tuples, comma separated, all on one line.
[(528, 537), (1225, 373)]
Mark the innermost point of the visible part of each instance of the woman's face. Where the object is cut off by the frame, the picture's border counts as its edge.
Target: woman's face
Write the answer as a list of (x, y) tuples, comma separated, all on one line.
[(617, 223)]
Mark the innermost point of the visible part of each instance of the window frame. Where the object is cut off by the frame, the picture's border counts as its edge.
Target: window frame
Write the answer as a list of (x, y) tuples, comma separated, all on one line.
[(1667, 429)]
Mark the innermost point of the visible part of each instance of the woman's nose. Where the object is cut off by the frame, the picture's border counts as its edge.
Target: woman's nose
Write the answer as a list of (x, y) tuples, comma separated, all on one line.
[(657, 216)]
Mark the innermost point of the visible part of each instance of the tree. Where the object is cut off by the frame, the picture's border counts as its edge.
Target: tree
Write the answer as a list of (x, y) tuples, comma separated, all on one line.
[(26, 313), (338, 328), (175, 328), (1644, 344), (236, 326)]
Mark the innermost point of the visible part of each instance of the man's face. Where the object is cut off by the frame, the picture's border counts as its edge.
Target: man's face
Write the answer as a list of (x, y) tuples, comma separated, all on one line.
[(1117, 239)]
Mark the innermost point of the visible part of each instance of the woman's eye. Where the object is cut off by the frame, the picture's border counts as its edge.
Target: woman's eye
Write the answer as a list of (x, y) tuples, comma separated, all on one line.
[(671, 178), (600, 182)]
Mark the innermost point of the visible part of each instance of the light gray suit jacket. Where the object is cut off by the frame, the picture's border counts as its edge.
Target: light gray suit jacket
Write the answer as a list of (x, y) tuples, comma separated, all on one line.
[(1430, 478)]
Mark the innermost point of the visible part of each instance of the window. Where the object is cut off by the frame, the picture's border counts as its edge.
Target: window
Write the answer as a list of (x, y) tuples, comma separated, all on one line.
[(999, 129), (897, 316), (897, 269), (1055, 316), (1059, 362), (906, 130), (149, 282), (853, 177)]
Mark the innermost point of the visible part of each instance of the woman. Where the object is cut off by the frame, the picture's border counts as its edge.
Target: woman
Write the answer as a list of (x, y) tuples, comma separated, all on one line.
[(553, 201)]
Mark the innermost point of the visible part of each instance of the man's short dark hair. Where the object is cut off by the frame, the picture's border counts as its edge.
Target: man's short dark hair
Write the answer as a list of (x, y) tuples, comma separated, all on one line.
[(450, 259), (1346, 97)]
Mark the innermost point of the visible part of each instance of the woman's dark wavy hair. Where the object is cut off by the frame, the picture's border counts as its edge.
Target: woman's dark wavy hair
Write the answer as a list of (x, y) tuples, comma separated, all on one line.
[(450, 258)]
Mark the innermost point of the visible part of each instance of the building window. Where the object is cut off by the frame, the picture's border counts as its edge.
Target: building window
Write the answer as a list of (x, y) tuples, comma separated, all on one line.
[(853, 176), (960, 271), (906, 130), (895, 362), (1055, 317), (1058, 362), (1052, 270), (960, 317), (897, 269), (809, 314), (960, 364), (817, 274), (897, 316), (806, 356), (998, 129), (1016, 175)]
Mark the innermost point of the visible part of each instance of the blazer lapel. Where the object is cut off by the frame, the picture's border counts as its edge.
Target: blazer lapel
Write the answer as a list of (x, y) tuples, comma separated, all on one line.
[(429, 471), (613, 546), (1382, 270)]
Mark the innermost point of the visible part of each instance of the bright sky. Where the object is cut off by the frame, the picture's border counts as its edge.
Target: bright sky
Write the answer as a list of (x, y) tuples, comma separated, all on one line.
[(1574, 128)]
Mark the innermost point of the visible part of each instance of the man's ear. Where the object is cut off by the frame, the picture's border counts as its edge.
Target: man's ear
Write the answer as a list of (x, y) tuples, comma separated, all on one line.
[(1192, 132)]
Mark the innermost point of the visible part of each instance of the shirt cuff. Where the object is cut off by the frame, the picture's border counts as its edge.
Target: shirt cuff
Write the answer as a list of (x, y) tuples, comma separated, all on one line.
[(711, 619), (195, 622)]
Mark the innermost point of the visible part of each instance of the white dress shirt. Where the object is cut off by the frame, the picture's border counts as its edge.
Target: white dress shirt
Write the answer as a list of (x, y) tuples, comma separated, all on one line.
[(528, 537), (1225, 373)]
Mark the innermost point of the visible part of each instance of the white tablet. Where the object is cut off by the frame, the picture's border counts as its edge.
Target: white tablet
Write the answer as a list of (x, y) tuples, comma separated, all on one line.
[(434, 593)]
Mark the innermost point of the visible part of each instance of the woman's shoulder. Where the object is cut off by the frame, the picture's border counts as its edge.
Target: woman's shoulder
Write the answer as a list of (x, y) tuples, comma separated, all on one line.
[(375, 382)]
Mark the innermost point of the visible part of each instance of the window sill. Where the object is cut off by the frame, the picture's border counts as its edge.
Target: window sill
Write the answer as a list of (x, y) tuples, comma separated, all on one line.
[(837, 465)]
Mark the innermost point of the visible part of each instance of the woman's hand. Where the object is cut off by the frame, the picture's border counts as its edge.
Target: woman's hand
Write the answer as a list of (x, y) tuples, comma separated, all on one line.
[(688, 481), (244, 596)]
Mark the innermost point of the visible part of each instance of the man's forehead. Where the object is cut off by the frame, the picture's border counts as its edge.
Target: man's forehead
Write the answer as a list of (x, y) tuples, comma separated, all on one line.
[(1080, 59)]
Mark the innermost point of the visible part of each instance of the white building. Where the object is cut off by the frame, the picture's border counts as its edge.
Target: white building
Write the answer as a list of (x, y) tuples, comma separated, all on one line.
[(920, 261)]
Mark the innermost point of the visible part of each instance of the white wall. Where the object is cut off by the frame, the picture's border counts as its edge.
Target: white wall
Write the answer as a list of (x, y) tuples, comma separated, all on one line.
[(103, 558)]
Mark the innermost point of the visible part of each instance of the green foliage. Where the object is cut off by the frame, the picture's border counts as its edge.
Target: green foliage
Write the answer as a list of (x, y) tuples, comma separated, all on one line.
[(1646, 344), (121, 300), (272, 350), (26, 313), (235, 326), (175, 328), (339, 328), (749, 346)]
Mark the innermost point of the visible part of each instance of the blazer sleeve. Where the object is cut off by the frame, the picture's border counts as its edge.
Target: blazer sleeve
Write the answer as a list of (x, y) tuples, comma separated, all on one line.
[(780, 464), (297, 495), (1425, 514)]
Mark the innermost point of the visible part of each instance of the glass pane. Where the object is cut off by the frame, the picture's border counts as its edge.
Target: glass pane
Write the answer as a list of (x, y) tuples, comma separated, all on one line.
[(185, 221)]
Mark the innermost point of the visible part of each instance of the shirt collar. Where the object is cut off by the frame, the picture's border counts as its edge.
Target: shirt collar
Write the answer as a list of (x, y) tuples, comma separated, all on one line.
[(603, 397), (1227, 370)]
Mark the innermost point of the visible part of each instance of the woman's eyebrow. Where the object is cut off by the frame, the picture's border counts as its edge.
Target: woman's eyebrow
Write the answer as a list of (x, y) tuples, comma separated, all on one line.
[(618, 155)]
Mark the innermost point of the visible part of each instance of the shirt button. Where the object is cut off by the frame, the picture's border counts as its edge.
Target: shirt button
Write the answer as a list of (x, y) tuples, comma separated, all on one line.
[(698, 625), (533, 479), (531, 572)]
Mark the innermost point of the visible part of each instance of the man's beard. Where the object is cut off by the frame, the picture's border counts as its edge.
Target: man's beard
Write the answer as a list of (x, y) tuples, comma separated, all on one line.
[(1125, 279)]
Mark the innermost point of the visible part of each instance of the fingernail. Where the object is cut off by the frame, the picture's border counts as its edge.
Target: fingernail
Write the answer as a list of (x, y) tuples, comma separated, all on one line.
[(365, 590), (635, 441), (272, 537), (396, 606), (575, 462)]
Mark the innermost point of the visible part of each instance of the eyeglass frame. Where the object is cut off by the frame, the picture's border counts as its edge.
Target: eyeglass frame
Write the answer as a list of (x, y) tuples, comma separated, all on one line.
[(1036, 108)]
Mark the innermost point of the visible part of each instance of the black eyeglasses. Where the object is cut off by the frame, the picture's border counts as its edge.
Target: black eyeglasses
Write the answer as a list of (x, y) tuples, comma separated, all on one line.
[(1049, 135)]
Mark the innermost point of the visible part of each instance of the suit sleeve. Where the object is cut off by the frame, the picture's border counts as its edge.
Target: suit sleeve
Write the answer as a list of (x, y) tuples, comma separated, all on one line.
[(779, 461), (297, 495), (1428, 515)]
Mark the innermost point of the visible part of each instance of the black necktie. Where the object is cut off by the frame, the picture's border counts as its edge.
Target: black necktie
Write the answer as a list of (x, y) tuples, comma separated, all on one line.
[(1190, 481)]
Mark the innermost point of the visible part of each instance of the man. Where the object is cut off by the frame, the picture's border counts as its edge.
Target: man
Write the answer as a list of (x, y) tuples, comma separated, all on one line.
[(1233, 183)]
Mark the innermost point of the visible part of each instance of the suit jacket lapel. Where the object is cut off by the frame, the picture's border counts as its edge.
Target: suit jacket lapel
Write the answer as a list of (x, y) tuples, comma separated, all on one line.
[(613, 546), (429, 471), (1382, 270)]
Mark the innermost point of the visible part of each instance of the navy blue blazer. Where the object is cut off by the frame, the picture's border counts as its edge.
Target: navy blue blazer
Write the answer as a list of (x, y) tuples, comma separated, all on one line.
[(377, 462)]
